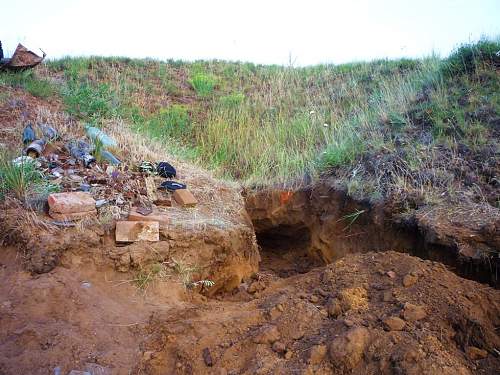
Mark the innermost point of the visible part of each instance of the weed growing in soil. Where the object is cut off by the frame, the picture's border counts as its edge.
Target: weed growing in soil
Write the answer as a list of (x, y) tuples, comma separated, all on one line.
[(27, 80), (17, 178)]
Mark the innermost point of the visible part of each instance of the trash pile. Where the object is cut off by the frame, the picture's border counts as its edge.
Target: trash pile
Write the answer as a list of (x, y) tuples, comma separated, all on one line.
[(22, 59), (89, 176)]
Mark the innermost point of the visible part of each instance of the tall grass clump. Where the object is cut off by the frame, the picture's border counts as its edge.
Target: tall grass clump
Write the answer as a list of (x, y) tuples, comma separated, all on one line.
[(203, 84), (467, 58), (17, 178), (39, 87)]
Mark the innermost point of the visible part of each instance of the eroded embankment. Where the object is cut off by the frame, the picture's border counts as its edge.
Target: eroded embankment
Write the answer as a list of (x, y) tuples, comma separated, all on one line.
[(326, 224)]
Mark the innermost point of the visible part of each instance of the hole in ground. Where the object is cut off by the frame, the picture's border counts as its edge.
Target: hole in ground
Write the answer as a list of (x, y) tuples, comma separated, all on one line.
[(284, 250)]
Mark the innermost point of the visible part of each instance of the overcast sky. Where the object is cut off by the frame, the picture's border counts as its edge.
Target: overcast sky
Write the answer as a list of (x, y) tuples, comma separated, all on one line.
[(252, 30)]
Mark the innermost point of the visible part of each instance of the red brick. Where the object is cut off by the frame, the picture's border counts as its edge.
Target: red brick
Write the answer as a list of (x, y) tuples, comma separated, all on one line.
[(185, 198), (71, 202), (156, 215), (132, 231), (72, 216)]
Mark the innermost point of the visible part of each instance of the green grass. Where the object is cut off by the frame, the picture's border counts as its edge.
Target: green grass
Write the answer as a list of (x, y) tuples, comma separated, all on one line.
[(382, 127), (27, 80), (17, 179)]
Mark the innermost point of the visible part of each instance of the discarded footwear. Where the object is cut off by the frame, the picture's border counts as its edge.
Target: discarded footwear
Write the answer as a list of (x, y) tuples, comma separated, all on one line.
[(172, 185), (166, 170), (28, 134)]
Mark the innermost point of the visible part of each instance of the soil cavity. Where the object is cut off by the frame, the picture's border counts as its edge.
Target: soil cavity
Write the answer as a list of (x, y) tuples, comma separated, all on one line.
[(284, 250), (317, 225)]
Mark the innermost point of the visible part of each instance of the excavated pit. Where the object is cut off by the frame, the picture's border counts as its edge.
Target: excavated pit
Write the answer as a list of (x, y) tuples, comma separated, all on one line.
[(314, 226)]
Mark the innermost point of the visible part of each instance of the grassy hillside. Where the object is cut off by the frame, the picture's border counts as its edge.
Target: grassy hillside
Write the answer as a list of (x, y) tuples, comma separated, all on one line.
[(406, 128)]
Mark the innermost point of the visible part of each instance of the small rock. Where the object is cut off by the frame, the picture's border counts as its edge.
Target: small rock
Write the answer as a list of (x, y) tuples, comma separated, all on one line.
[(316, 354), (314, 299), (256, 286), (387, 297), (267, 335), (394, 323), (279, 347), (348, 322), (409, 280), (322, 292), (412, 313), (391, 274), (334, 308), (476, 353), (288, 354), (148, 355), (279, 306), (346, 351), (274, 313), (207, 357)]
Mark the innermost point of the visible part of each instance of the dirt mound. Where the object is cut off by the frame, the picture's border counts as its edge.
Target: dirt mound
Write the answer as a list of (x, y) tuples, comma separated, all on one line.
[(369, 313)]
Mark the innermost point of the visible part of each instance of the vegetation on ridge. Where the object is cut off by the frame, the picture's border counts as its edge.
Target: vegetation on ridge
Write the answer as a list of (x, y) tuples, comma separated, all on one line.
[(404, 128)]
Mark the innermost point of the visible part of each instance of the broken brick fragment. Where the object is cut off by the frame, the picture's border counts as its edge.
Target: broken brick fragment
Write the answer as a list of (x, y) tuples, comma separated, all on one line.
[(185, 198), (71, 202)]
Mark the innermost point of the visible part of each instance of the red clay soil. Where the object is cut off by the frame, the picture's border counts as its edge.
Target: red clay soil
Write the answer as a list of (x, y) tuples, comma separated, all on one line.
[(373, 313)]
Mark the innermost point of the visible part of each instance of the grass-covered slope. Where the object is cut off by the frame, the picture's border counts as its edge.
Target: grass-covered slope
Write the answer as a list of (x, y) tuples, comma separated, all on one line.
[(404, 128)]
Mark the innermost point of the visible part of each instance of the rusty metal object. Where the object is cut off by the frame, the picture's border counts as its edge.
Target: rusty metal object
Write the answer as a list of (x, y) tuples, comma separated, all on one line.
[(22, 59)]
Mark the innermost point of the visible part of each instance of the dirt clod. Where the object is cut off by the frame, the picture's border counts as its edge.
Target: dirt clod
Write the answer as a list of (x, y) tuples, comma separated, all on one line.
[(412, 313), (317, 354), (267, 335), (347, 350), (476, 353), (394, 323), (409, 280)]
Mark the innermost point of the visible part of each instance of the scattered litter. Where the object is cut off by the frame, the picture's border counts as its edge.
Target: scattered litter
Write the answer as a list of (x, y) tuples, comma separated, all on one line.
[(97, 134), (85, 187), (172, 185), (101, 202), (86, 284), (144, 210), (166, 170), (81, 151), (35, 148), (28, 134), (207, 357), (49, 133), (64, 224), (109, 157), (24, 160), (147, 167), (22, 59), (185, 198)]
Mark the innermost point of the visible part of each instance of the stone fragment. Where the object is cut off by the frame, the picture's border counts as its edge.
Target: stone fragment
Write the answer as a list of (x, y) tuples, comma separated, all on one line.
[(279, 347), (347, 350), (412, 313), (131, 231), (71, 202), (207, 357), (409, 280), (317, 354), (391, 274), (333, 307), (185, 198), (149, 182), (476, 353), (314, 299), (394, 323), (267, 335), (72, 216), (156, 215), (288, 354)]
